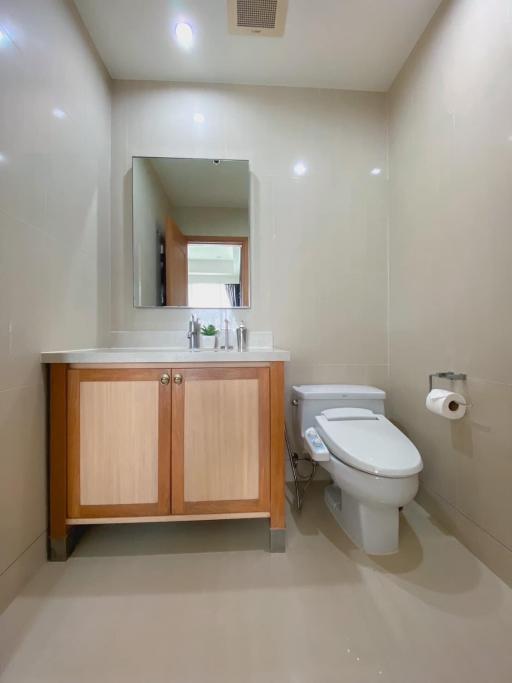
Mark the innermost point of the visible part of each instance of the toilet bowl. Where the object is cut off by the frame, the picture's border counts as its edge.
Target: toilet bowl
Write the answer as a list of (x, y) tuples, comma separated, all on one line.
[(367, 506), (374, 466)]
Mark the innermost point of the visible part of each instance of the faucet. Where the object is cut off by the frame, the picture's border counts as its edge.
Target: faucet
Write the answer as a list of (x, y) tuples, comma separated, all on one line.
[(194, 330)]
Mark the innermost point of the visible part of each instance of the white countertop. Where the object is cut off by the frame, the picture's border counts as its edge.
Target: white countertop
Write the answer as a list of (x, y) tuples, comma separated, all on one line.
[(163, 355)]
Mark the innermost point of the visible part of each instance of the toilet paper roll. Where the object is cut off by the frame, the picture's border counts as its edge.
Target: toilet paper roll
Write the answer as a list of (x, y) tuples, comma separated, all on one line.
[(446, 403)]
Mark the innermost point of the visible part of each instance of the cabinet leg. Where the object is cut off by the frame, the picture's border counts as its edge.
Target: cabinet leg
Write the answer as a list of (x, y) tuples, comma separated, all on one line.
[(58, 541), (277, 452), (59, 549), (277, 540)]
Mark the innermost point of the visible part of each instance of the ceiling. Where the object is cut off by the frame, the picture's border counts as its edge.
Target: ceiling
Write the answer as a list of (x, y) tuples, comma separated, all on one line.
[(201, 183), (342, 44)]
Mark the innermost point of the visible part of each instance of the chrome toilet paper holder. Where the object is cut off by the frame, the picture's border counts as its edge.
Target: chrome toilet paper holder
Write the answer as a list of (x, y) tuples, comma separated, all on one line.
[(451, 376)]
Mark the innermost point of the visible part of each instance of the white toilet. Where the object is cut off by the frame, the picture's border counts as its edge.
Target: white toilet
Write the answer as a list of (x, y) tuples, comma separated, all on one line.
[(373, 464)]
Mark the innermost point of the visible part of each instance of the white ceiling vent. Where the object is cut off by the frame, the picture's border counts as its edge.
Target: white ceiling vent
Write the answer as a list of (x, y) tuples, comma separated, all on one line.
[(257, 17)]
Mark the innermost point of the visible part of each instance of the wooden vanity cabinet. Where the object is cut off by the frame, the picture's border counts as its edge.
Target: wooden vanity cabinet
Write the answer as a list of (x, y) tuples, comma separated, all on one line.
[(145, 443)]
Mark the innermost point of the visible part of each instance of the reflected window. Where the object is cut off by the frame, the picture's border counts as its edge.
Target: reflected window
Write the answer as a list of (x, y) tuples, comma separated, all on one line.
[(208, 295), (214, 275)]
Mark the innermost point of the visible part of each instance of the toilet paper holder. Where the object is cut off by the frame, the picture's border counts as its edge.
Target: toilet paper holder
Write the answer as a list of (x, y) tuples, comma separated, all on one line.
[(451, 376)]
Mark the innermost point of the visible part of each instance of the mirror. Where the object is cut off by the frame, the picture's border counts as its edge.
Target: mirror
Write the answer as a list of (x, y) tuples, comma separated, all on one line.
[(191, 231)]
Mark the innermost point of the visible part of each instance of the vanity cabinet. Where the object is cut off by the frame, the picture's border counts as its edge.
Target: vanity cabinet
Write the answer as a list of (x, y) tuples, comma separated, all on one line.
[(147, 443)]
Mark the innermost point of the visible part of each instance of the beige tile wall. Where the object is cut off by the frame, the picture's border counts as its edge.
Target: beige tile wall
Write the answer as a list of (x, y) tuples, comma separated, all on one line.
[(54, 245), (450, 265), (319, 256)]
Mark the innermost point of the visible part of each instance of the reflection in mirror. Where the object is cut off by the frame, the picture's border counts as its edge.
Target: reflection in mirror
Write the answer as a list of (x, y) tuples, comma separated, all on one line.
[(191, 232)]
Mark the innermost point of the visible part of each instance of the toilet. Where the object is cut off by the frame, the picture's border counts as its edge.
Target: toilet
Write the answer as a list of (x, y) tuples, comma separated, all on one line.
[(374, 466)]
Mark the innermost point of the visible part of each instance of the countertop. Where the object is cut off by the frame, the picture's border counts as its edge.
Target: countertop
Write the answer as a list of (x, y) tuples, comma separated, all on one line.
[(163, 355)]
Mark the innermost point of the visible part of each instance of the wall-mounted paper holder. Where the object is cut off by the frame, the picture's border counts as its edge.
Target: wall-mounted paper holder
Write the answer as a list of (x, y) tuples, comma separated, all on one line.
[(451, 376)]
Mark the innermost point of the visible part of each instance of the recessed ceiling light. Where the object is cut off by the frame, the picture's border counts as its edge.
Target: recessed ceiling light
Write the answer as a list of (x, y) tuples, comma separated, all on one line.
[(198, 117), (59, 113), (376, 171), (300, 168), (184, 34)]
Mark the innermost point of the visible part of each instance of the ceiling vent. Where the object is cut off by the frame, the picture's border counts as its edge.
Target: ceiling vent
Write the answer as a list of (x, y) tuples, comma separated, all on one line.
[(257, 17)]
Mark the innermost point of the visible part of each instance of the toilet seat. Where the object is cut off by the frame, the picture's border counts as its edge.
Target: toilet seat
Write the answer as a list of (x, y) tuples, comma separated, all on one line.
[(368, 442)]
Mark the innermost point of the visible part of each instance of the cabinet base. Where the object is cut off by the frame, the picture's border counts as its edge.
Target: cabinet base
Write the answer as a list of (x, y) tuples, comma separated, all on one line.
[(277, 540), (59, 549)]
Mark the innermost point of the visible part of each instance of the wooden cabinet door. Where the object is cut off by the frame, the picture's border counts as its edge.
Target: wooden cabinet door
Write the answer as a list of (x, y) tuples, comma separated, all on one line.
[(220, 440), (118, 442)]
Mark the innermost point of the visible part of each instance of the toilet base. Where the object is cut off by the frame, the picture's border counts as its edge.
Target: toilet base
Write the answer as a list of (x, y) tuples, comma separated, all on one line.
[(373, 528)]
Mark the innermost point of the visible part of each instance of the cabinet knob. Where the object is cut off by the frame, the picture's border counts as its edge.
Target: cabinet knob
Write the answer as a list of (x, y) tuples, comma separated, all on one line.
[(165, 379), (178, 379)]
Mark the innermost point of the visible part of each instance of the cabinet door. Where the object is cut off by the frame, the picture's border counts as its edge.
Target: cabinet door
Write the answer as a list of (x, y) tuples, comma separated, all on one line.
[(220, 440), (118, 442)]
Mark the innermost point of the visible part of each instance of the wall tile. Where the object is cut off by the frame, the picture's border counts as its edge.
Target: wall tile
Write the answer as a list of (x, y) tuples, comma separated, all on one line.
[(450, 246), (23, 468), (54, 235)]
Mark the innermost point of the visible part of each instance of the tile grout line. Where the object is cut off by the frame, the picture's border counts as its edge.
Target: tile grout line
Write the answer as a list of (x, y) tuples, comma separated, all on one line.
[(466, 516), (4, 571), (22, 386)]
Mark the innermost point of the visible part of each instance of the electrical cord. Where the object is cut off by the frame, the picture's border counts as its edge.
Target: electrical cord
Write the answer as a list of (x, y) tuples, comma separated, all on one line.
[(301, 482)]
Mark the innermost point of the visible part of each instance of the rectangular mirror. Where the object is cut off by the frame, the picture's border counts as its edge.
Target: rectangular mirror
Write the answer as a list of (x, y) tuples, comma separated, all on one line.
[(191, 232)]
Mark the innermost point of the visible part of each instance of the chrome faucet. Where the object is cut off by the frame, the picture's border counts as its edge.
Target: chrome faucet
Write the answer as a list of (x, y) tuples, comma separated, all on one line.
[(193, 335)]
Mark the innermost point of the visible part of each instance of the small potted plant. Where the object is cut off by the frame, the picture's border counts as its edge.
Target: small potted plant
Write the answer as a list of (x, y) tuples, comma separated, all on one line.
[(208, 336)]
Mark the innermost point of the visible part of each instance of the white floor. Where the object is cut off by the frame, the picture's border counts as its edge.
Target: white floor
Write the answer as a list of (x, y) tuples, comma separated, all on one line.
[(205, 603)]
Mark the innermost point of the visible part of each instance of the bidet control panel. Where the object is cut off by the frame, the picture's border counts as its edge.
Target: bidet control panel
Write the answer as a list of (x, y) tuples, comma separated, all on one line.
[(316, 447)]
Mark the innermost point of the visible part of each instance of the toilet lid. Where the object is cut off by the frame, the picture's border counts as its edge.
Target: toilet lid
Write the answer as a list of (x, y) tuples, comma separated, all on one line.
[(368, 442)]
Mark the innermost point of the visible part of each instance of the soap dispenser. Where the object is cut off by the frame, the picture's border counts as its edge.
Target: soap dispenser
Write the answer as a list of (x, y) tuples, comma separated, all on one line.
[(241, 337)]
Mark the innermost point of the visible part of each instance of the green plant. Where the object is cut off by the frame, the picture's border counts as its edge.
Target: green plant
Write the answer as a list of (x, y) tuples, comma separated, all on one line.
[(209, 330)]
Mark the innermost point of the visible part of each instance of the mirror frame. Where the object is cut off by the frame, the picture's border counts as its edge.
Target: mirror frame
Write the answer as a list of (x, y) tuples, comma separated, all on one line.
[(246, 253)]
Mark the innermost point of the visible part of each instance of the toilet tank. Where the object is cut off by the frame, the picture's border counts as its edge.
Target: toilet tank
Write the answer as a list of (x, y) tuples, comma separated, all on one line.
[(309, 400)]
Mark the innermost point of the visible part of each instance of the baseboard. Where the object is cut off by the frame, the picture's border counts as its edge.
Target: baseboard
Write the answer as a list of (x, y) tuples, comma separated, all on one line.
[(21, 570), (487, 548)]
